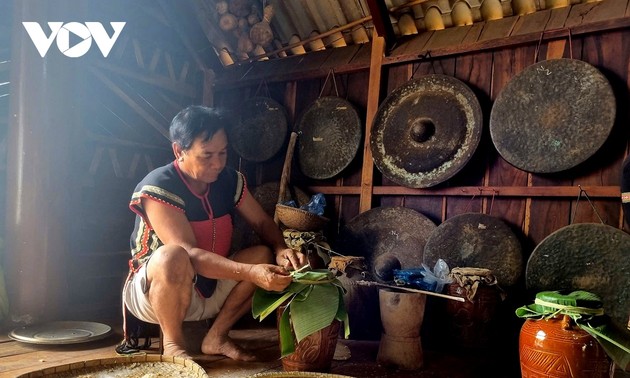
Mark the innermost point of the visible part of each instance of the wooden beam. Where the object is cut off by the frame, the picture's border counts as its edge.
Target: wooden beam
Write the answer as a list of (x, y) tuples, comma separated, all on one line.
[(174, 16), (414, 54), (137, 108), (124, 143), (382, 23), (153, 79), (478, 191), (512, 40), (374, 90)]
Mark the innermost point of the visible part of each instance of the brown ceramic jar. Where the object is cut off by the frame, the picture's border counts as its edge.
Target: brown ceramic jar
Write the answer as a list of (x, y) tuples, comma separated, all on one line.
[(315, 352), (557, 347)]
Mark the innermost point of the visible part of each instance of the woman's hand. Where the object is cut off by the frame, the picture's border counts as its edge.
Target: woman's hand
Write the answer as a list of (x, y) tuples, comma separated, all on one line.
[(290, 259), (270, 277)]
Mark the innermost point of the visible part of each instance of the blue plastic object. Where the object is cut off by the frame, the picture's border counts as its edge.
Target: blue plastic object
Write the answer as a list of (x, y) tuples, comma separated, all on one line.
[(316, 205)]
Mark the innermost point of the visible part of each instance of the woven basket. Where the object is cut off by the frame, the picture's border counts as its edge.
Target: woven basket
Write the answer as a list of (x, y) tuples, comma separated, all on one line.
[(299, 219), (142, 365)]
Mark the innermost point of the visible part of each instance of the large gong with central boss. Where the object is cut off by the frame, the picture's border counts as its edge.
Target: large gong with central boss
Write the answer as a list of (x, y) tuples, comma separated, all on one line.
[(426, 131)]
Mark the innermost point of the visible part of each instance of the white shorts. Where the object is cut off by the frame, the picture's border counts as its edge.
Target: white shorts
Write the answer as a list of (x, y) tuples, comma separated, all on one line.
[(136, 298)]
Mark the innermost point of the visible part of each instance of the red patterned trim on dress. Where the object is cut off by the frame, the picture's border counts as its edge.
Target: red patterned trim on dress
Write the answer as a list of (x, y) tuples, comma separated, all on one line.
[(136, 201), (625, 197)]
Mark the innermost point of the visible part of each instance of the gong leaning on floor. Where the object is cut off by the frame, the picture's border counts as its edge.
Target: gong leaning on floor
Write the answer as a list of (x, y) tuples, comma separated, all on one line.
[(426, 131), (585, 256), (259, 130), (329, 137), (389, 238), (478, 241), (552, 116)]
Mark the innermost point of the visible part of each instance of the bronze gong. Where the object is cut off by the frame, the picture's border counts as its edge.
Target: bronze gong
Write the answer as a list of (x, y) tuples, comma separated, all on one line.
[(389, 238), (426, 131), (585, 256), (259, 130), (330, 135), (552, 116), (478, 241)]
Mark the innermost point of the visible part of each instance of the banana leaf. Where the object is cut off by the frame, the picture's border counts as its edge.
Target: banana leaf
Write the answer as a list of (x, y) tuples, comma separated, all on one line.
[(309, 316), (265, 302), (313, 301), (287, 343), (342, 314)]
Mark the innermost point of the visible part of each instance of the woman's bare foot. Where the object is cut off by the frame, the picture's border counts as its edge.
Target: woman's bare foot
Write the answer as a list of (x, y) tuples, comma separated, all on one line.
[(225, 346), (174, 350)]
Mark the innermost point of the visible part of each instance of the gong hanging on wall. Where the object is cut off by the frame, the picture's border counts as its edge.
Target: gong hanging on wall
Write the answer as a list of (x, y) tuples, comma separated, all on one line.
[(330, 135), (552, 116), (426, 131), (259, 130)]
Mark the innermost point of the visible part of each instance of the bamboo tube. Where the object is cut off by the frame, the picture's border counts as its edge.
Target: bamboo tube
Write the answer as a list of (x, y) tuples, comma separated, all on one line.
[(359, 35), (278, 45), (336, 40), (298, 48), (316, 44), (491, 10), (225, 57), (259, 50), (433, 19), (313, 38), (523, 7), (461, 14), (407, 25)]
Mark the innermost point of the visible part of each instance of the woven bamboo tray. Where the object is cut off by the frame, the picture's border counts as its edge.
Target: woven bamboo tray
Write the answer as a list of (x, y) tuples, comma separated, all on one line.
[(297, 374), (128, 367), (299, 219)]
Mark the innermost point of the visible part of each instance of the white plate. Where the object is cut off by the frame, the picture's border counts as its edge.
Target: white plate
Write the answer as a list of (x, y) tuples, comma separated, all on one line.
[(61, 332)]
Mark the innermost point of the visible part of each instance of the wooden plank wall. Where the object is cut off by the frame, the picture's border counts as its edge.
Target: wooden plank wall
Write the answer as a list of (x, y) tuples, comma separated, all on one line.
[(487, 73)]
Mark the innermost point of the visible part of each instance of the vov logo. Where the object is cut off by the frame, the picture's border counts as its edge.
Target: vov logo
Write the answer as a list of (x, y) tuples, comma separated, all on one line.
[(60, 32)]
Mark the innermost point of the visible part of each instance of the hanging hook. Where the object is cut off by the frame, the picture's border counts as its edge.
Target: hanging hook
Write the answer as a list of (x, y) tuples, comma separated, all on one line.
[(468, 205), (542, 33), (570, 44), (262, 82), (494, 193), (577, 202), (422, 58), (330, 73)]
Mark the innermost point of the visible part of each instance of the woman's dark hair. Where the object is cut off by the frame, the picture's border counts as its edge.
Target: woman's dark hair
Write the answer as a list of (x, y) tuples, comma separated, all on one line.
[(195, 121)]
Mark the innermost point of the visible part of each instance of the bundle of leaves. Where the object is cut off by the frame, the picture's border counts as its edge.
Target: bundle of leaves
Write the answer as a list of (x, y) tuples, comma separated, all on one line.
[(311, 302)]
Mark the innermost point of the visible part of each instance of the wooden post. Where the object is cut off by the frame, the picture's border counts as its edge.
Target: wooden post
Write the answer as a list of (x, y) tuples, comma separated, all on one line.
[(374, 89), (42, 175)]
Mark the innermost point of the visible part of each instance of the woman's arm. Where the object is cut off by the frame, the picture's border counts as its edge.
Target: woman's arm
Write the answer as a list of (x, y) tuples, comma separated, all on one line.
[(269, 232), (172, 227)]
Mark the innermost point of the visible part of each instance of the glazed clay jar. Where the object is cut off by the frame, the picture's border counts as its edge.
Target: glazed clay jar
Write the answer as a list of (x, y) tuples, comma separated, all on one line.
[(315, 352), (557, 347)]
